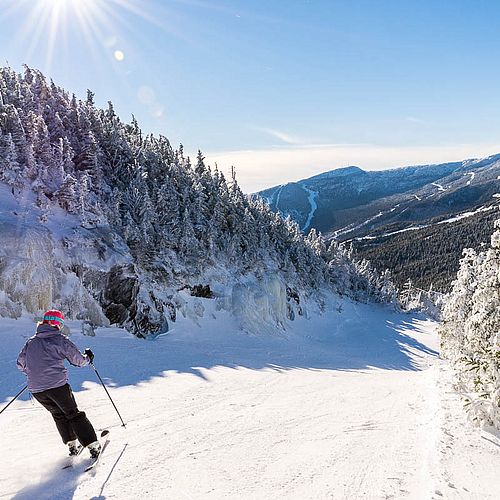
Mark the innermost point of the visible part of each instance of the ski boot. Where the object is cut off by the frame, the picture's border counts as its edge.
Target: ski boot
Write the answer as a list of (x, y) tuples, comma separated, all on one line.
[(73, 447), (95, 449)]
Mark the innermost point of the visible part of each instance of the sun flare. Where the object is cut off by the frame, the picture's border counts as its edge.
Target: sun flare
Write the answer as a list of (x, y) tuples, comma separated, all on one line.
[(50, 24)]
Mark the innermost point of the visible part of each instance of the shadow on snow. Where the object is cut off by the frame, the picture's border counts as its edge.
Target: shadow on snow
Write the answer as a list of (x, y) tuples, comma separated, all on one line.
[(352, 344)]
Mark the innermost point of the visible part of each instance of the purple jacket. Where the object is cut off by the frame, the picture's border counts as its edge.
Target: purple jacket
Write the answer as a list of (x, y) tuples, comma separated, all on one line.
[(42, 358)]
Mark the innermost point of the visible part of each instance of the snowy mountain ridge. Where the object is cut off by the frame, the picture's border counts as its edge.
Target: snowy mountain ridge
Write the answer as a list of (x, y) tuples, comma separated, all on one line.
[(338, 172), (345, 195), (371, 209)]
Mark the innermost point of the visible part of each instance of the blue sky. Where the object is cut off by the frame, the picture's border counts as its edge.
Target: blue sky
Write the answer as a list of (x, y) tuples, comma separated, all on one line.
[(281, 89)]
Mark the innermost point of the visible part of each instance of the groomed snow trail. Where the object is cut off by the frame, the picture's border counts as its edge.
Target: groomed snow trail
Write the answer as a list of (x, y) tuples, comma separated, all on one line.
[(312, 197), (353, 405)]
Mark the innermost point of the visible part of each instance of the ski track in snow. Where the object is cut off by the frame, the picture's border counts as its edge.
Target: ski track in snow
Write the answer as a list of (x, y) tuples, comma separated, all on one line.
[(349, 405), (312, 202)]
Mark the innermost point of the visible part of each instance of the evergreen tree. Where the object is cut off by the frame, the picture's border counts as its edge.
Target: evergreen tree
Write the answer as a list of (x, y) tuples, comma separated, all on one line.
[(470, 331), (176, 217), (10, 169)]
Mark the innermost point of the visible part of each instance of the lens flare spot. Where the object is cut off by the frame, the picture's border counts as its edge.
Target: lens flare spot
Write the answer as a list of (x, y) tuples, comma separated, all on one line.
[(110, 41), (158, 112), (146, 95), (119, 55)]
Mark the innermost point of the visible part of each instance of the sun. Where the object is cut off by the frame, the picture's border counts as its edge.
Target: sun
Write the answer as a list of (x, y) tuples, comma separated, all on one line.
[(46, 22), (52, 34), (48, 25)]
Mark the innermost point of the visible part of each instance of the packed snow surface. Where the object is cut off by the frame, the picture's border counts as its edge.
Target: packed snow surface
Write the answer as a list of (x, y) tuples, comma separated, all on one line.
[(351, 404)]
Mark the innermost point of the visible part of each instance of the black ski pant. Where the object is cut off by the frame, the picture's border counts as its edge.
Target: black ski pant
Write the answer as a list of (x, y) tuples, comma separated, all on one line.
[(71, 423)]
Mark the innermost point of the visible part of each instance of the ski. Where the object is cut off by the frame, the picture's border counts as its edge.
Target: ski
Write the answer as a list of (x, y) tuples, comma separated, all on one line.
[(95, 461)]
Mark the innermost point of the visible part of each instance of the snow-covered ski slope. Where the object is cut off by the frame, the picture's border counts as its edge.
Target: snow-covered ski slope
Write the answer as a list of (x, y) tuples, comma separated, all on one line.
[(352, 404)]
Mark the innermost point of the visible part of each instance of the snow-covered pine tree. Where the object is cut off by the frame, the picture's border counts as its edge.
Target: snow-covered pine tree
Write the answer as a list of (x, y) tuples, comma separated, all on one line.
[(471, 331), (173, 216), (10, 169)]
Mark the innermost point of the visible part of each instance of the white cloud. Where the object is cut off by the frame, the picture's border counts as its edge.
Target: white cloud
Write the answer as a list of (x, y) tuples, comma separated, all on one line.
[(282, 136), (413, 119), (260, 169)]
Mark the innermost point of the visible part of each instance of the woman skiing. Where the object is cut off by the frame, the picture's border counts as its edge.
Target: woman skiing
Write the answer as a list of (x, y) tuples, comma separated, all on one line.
[(42, 360)]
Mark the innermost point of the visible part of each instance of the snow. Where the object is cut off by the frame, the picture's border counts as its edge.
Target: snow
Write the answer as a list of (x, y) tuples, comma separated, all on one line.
[(412, 228), (351, 227), (441, 188), (472, 175), (354, 403), (465, 215), (313, 195), (277, 195), (458, 217)]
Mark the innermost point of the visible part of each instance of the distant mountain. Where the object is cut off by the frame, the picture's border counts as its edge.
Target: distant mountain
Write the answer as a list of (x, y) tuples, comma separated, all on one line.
[(377, 211)]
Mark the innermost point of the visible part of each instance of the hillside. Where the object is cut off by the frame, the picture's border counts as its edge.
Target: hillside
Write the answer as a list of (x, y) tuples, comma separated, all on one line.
[(429, 256), (377, 211), (110, 224), (352, 404), (264, 362)]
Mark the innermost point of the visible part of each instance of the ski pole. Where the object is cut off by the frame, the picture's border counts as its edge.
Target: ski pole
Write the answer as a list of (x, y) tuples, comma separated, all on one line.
[(15, 397), (113, 403)]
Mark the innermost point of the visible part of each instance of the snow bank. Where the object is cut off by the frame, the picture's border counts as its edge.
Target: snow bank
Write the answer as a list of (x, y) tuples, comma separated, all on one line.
[(36, 269), (256, 305), (260, 306)]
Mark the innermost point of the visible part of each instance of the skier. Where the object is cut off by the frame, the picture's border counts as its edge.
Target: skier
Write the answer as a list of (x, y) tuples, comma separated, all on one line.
[(42, 360)]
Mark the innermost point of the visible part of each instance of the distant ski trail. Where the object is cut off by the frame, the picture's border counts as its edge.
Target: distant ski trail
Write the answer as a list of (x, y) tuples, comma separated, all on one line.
[(441, 188), (472, 175), (313, 195), (278, 196), (455, 218), (351, 227)]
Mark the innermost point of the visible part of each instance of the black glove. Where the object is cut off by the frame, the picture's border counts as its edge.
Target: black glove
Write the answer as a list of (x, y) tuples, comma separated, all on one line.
[(88, 352)]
